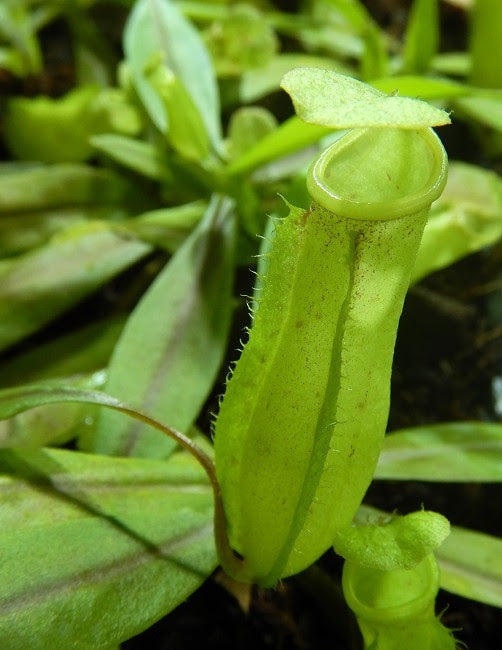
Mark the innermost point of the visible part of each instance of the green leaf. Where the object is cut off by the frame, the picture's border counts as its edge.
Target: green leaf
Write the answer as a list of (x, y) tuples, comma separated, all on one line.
[(427, 88), (394, 542), (11, 60), (84, 350), (242, 39), (471, 567), (142, 157), (465, 219), (94, 549), (174, 342), (255, 84), (248, 125), (375, 59), (456, 451), (329, 99), (40, 285), (20, 232), (290, 136), (422, 35), (457, 64), (187, 133), (157, 26), (167, 227), (484, 107), (485, 44), (49, 186), (51, 424), (16, 27), (51, 130)]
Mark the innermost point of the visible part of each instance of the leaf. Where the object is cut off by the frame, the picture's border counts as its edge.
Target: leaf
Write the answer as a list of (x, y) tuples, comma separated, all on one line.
[(50, 186), (158, 26), (457, 64), (456, 451), (187, 133), (375, 59), (40, 285), (248, 125), (485, 45), (83, 350), (167, 227), (11, 60), (255, 84), (427, 88), (51, 424), (174, 342), (329, 99), (422, 35), (393, 543), (16, 27), (484, 107), (94, 549), (20, 232), (465, 219), (142, 157), (51, 130), (21, 398), (290, 136), (242, 39), (470, 566)]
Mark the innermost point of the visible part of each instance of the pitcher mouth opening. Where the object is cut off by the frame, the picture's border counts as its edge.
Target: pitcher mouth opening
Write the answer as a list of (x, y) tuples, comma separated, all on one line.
[(379, 174), (376, 595)]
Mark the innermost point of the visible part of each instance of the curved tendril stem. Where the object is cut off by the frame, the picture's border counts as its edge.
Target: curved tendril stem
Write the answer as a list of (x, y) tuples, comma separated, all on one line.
[(224, 550), (17, 400)]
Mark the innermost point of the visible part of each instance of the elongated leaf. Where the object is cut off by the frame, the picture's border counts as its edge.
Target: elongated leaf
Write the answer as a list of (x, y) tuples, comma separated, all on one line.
[(167, 227), (50, 186), (375, 59), (51, 424), (422, 35), (157, 26), (20, 232), (16, 27), (94, 550), (84, 350), (469, 561), (173, 344), (255, 84), (484, 107), (471, 567), (142, 157), (290, 136), (187, 132), (329, 99), (38, 286), (457, 64), (485, 44), (22, 398), (248, 125), (465, 219), (428, 88), (457, 451)]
